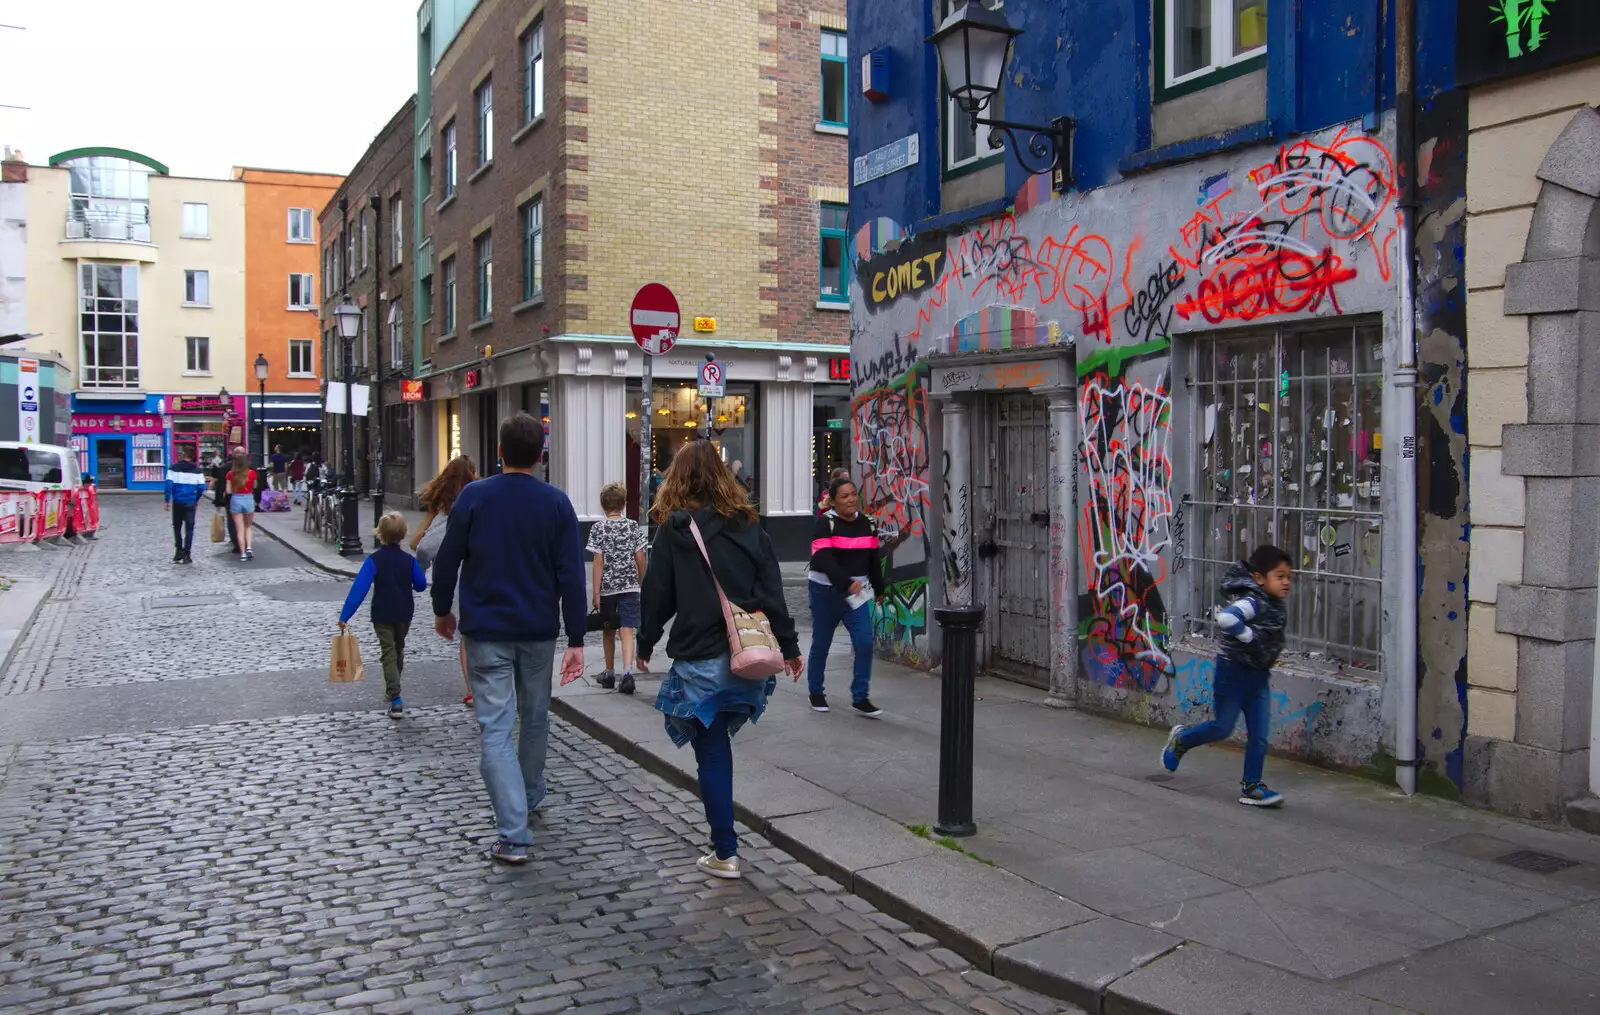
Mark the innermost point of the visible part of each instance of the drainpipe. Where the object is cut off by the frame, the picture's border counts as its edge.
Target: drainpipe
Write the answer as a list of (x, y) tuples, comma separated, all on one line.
[(1405, 383), (1594, 717)]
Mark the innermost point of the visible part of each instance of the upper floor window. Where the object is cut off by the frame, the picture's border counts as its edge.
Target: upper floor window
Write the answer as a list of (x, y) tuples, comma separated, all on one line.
[(300, 294), (447, 296), (485, 252), (364, 240), (197, 355), (349, 251), (1201, 42), (397, 225), (108, 304), (533, 249), (832, 285), (835, 75), (197, 288), (448, 142), (397, 333), (301, 229), (110, 198), (967, 148), (484, 100), (302, 360), (196, 221), (533, 73)]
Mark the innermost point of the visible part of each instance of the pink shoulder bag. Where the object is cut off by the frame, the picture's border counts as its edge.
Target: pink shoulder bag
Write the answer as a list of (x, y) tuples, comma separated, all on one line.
[(752, 649)]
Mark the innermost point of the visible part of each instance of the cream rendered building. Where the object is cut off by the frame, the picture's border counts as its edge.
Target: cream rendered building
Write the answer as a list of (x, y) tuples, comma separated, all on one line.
[(136, 278)]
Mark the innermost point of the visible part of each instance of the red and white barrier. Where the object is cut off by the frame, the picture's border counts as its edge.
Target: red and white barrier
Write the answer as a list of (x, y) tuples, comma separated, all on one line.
[(19, 517), (85, 510), (55, 511)]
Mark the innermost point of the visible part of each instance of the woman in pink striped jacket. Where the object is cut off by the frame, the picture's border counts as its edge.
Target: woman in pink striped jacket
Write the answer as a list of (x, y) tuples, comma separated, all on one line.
[(846, 576)]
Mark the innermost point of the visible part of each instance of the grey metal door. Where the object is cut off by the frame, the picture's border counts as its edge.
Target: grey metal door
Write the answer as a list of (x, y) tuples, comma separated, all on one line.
[(1019, 630)]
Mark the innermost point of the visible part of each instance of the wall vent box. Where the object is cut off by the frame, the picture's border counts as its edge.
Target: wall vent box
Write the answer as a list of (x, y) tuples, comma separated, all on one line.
[(875, 74)]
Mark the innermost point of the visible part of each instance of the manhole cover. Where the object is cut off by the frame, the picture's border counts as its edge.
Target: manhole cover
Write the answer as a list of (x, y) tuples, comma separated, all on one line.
[(173, 602), (306, 592), (1535, 861)]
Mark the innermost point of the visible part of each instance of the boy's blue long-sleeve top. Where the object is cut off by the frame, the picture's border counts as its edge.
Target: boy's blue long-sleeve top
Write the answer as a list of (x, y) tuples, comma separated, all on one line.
[(514, 540), (395, 574), (186, 484)]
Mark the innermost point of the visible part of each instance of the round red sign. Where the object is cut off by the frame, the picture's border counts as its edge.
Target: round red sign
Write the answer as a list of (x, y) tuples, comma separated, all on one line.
[(654, 319)]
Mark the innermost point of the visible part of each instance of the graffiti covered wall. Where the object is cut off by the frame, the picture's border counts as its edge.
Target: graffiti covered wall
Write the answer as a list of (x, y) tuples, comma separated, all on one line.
[(1265, 235)]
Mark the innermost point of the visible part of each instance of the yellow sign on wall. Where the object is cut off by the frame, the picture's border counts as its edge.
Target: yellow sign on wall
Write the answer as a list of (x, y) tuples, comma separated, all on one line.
[(705, 324)]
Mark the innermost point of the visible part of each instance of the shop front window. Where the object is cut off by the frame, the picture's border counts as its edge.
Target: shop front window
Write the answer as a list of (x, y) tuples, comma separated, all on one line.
[(830, 431), (678, 415)]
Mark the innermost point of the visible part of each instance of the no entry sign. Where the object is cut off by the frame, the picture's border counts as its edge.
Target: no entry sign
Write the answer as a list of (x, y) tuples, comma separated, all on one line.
[(654, 319)]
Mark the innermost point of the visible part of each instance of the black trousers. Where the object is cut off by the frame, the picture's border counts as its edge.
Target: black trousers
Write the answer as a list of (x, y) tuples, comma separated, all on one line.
[(183, 527)]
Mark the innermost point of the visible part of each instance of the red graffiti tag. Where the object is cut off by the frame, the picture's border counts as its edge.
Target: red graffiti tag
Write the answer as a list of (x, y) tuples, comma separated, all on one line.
[(1244, 290)]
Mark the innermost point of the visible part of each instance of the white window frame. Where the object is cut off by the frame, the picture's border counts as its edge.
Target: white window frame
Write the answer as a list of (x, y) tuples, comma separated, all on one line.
[(204, 232), (364, 240), (1222, 28), (448, 142), (447, 273), (191, 363), (196, 279), (533, 73), (307, 348), (483, 101), (397, 329), (398, 230), (308, 300), (302, 226)]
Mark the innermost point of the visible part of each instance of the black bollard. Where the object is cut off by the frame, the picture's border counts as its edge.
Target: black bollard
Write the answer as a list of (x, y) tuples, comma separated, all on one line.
[(960, 625)]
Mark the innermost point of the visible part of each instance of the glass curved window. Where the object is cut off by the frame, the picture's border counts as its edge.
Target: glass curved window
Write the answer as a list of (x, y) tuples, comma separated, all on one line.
[(110, 198)]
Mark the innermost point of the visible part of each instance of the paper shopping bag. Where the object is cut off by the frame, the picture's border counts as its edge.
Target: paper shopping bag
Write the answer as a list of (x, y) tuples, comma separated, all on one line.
[(219, 528), (344, 660)]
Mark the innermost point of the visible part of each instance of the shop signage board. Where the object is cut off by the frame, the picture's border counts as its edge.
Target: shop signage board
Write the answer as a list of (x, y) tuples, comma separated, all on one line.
[(97, 422), (1498, 39), (412, 391), (28, 401)]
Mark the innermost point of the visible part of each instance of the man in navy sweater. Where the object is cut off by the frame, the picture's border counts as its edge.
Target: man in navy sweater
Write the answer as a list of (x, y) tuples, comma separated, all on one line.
[(514, 540), (185, 485)]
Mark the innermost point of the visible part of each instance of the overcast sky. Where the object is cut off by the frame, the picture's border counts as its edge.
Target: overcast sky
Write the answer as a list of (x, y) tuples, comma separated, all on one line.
[(203, 85)]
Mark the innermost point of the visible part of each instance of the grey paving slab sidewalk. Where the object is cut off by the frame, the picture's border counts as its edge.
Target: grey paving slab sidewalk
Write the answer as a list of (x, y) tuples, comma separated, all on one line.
[(1099, 879)]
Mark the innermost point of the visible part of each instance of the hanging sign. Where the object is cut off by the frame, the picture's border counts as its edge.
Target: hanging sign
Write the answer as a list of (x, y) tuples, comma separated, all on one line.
[(1505, 38), (891, 158)]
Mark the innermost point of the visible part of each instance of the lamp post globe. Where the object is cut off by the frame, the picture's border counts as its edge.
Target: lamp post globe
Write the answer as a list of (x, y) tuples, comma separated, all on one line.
[(974, 46), (261, 405), (347, 316)]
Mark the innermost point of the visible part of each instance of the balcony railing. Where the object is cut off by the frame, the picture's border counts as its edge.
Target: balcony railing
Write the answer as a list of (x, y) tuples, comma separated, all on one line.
[(125, 224)]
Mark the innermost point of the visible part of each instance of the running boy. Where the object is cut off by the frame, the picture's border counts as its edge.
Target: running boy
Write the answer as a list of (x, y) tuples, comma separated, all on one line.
[(618, 545), (391, 573), (1251, 629)]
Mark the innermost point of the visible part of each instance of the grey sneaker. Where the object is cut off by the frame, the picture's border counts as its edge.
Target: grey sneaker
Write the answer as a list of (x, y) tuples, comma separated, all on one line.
[(729, 869), (607, 680), (510, 852)]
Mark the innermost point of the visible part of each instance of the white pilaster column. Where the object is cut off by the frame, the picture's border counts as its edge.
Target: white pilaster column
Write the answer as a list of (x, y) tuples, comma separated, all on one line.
[(588, 438), (956, 503), (1063, 549), (785, 476)]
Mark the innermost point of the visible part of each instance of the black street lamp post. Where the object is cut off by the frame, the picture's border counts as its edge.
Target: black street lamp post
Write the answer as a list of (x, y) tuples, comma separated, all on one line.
[(261, 406), (348, 317)]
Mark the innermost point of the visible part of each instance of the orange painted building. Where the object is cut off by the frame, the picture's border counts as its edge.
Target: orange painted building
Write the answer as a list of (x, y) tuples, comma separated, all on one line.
[(282, 300)]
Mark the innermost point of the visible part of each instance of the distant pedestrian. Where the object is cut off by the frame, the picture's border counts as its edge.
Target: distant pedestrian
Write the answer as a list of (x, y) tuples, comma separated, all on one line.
[(297, 476), (514, 541), (618, 545), (186, 485), (314, 469), (824, 499), (219, 479), (392, 575), (280, 468), (846, 576), (703, 702), (242, 483), (437, 498), (1251, 628)]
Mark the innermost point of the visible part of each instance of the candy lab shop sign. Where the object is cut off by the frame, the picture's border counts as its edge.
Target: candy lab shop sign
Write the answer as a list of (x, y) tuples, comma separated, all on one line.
[(1502, 38)]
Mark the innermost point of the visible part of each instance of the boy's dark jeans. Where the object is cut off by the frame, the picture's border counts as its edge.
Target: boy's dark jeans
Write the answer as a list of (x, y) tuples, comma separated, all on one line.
[(1238, 689), (392, 649), (183, 527)]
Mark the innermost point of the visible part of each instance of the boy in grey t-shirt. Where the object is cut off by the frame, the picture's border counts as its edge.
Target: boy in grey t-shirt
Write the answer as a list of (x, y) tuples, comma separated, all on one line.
[(618, 545)]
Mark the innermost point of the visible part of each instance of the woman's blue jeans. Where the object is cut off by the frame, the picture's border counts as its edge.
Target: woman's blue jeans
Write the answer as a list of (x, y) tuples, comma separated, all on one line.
[(713, 753), (1238, 689), (829, 606)]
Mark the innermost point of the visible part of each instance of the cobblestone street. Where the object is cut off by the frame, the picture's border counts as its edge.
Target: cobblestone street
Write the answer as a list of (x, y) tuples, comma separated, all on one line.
[(323, 860)]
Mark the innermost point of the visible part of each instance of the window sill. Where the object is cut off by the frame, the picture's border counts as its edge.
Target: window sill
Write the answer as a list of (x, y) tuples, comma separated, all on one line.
[(529, 304), (192, 236), (528, 128), (480, 325), (302, 377), (836, 129), (1194, 148), (302, 243), (481, 171), (448, 336), (834, 305), (447, 202), (197, 306), (974, 166), (1215, 76), (307, 310), (197, 373), (396, 267)]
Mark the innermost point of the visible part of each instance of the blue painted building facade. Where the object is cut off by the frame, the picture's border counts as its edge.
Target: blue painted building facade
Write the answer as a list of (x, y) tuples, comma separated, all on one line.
[(1075, 407)]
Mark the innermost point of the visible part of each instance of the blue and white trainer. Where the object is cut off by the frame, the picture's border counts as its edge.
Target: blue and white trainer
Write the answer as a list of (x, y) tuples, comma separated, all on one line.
[(510, 852), (1256, 794), (1174, 751)]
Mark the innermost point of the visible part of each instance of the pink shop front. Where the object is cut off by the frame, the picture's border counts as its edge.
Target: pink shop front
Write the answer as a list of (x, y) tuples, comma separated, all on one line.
[(128, 445)]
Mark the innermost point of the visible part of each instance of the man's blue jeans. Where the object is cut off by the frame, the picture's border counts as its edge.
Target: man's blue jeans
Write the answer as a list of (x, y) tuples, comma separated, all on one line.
[(511, 680), (713, 754), (1238, 689), (183, 527), (829, 606)]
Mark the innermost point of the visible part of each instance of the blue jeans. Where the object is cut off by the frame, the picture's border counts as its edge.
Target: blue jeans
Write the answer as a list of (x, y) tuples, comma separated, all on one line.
[(183, 527), (829, 606), (511, 679), (1238, 689), (713, 754)]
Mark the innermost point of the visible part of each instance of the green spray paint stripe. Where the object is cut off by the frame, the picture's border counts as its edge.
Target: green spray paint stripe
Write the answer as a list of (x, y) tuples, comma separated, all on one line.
[(1114, 358)]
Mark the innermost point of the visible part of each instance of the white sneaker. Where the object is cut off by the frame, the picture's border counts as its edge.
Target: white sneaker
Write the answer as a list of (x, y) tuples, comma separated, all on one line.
[(728, 869)]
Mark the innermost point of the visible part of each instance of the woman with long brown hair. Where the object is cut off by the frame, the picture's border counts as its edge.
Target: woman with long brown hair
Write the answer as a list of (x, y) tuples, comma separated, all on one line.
[(704, 703), (242, 501), (437, 498)]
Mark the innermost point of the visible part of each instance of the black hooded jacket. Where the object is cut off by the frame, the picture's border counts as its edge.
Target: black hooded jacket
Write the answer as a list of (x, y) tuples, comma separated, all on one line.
[(1250, 623), (678, 588)]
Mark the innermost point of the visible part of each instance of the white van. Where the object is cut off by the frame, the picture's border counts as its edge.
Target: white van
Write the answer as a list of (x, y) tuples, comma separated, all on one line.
[(35, 467)]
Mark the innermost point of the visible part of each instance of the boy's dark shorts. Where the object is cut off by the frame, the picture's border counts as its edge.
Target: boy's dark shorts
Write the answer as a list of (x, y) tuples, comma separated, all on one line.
[(620, 610)]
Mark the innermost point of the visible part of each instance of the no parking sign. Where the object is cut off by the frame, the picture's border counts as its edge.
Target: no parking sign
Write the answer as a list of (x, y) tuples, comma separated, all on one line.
[(711, 382)]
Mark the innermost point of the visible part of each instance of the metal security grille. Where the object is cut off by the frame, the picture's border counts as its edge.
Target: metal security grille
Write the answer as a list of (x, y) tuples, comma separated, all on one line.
[(1288, 434), (1021, 451)]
